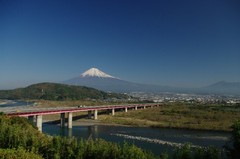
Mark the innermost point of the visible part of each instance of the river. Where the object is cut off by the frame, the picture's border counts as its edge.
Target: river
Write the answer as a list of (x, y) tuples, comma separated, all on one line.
[(156, 140), (14, 103), (8, 106)]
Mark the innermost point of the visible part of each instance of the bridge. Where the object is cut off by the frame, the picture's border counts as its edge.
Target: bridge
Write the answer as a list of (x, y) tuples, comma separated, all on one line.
[(37, 114)]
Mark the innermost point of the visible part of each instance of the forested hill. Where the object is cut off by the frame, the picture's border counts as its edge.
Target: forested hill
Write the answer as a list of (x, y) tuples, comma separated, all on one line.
[(55, 91)]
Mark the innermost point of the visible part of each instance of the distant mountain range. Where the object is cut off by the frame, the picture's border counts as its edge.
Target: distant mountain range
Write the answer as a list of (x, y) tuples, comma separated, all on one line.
[(78, 88), (223, 87), (98, 79)]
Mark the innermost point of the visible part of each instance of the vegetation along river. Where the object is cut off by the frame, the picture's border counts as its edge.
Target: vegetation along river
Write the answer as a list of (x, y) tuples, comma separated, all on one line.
[(156, 140)]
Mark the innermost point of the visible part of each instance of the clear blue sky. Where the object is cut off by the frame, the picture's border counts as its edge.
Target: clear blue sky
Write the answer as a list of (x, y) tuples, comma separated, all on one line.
[(167, 42)]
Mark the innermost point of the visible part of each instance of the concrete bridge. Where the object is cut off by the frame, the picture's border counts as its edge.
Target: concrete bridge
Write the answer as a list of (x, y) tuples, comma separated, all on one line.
[(37, 115)]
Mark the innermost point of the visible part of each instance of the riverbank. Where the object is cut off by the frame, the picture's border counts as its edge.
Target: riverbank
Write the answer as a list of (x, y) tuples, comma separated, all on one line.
[(5, 102), (179, 115)]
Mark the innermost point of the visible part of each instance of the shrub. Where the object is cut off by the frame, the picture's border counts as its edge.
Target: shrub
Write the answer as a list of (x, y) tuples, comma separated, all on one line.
[(234, 150), (19, 153)]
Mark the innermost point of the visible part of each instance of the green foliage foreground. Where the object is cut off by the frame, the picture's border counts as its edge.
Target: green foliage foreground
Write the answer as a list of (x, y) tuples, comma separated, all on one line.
[(17, 135), (20, 139), (18, 154)]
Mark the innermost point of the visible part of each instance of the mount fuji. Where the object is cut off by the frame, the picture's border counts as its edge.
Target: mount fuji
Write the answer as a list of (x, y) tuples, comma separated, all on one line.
[(98, 79)]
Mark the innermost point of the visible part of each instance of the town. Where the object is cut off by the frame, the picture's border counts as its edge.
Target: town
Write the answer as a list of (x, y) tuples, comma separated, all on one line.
[(183, 97)]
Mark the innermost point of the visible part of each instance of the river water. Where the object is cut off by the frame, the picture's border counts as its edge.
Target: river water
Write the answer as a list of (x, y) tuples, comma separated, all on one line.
[(14, 103), (8, 106), (156, 140)]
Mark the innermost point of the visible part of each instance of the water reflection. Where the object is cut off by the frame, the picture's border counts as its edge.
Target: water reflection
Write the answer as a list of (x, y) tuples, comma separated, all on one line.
[(69, 132)]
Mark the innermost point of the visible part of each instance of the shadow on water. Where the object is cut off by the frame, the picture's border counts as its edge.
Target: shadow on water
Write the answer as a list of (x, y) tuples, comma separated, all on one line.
[(73, 119), (84, 116), (86, 132)]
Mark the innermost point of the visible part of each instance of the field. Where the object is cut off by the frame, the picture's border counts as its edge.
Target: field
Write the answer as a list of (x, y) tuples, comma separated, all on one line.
[(179, 115)]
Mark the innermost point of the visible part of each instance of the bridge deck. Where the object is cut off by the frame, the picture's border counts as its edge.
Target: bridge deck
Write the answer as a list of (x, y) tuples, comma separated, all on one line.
[(48, 111), (38, 113)]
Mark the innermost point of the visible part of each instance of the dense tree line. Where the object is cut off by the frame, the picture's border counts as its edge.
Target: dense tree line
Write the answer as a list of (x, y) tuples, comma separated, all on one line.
[(54, 91), (19, 136)]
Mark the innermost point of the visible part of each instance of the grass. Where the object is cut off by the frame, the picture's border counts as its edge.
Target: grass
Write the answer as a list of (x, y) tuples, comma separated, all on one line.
[(179, 115)]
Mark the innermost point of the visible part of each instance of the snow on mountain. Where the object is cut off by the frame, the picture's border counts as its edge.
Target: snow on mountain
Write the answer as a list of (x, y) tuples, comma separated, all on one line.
[(94, 72)]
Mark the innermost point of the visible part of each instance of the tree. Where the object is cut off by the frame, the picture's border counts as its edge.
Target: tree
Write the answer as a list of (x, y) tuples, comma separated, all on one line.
[(235, 151)]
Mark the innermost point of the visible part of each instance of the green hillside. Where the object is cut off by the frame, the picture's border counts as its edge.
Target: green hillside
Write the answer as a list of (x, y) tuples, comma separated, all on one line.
[(54, 91)]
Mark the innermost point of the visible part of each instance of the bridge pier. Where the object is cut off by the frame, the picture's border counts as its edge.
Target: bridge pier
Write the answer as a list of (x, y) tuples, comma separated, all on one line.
[(62, 120), (89, 114), (113, 111), (31, 119), (144, 107), (126, 109), (39, 122), (70, 120), (95, 114), (136, 108)]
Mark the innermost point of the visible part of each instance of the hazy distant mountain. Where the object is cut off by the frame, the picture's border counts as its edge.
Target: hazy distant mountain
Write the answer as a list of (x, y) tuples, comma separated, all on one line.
[(98, 79), (223, 87)]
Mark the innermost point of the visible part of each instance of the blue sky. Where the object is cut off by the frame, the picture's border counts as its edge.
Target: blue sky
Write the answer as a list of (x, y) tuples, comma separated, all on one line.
[(167, 42)]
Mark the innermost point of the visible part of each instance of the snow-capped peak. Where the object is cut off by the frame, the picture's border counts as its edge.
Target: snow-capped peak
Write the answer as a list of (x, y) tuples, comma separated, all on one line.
[(94, 72)]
